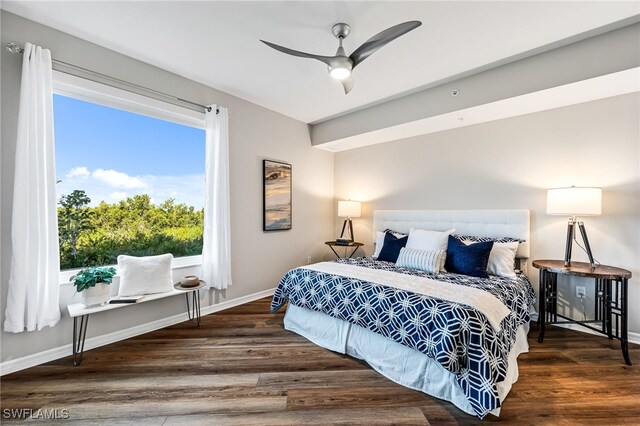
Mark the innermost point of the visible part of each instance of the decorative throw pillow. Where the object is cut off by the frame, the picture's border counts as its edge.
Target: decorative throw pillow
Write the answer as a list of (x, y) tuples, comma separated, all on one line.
[(391, 247), (423, 239), (380, 239), (503, 254), (144, 275), (431, 261), (468, 259), (502, 259)]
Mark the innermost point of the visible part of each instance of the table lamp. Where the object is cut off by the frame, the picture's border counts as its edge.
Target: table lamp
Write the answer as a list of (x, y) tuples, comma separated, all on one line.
[(348, 209), (572, 202)]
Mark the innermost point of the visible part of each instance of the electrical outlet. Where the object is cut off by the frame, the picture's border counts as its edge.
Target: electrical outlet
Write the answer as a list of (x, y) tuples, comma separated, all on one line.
[(309, 260), (581, 292)]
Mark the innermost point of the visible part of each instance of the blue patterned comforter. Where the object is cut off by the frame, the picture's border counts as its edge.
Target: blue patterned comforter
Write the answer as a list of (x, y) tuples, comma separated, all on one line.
[(457, 336)]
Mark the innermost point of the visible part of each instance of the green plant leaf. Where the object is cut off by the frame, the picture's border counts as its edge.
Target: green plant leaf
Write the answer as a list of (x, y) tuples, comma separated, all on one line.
[(91, 276)]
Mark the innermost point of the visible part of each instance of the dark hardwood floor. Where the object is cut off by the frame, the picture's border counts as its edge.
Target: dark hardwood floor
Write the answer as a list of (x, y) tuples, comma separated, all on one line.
[(241, 367)]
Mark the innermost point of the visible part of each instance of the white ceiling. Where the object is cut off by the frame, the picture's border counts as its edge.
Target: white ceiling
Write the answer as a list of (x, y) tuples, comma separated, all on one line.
[(216, 43)]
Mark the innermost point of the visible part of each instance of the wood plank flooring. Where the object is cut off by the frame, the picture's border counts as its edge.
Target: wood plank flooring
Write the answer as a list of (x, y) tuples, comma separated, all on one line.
[(242, 368)]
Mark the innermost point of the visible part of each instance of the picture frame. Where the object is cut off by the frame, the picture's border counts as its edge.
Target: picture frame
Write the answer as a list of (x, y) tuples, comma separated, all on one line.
[(276, 177)]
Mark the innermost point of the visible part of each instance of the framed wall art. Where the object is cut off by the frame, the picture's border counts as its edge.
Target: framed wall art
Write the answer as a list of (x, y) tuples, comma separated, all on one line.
[(277, 195)]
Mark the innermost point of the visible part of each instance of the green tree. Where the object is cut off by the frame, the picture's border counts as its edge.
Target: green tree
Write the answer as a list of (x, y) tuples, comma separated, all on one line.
[(74, 218), (134, 226)]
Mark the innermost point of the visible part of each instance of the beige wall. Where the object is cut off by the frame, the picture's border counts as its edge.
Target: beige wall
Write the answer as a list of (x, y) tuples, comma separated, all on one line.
[(259, 259), (509, 164)]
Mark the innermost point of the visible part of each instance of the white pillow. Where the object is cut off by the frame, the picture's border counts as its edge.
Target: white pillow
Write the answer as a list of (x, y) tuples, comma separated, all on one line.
[(423, 239), (379, 243), (502, 259), (144, 275), (431, 261)]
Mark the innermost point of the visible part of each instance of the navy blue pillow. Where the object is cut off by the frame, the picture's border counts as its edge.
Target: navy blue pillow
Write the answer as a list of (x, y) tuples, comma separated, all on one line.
[(391, 247), (469, 259)]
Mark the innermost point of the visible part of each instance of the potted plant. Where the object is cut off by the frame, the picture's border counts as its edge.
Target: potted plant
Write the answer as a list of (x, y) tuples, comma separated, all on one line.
[(93, 285)]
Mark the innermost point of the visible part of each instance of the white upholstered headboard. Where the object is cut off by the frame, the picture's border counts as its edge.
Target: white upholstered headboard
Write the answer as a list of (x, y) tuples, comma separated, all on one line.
[(483, 223)]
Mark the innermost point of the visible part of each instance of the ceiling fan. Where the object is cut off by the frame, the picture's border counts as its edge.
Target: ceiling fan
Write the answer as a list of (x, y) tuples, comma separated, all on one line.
[(341, 65)]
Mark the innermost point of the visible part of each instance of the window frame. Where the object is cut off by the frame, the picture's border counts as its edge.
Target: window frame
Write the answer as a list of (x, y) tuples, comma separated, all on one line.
[(91, 91), (102, 94)]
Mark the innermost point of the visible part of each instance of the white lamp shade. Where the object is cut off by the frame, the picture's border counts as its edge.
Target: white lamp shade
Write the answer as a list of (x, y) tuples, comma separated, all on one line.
[(574, 201), (349, 208)]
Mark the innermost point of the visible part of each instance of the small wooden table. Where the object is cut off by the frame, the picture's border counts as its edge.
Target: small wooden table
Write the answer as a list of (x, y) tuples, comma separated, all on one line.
[(611, 285), (80, 313), (353, 244)]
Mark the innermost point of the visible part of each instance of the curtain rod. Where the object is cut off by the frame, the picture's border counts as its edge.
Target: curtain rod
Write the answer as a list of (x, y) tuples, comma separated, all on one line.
[(59, 65)]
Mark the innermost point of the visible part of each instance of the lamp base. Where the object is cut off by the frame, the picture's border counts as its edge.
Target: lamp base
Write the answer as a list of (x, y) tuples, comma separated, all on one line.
[(349, 229), (569, 244)]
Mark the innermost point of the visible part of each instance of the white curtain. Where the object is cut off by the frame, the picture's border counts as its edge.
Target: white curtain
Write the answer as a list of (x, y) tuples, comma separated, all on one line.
[(216, 251), (32, 300)]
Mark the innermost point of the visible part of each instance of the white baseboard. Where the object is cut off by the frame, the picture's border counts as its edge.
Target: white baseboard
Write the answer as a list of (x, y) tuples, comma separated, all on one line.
[(633, 337), (21, 363)]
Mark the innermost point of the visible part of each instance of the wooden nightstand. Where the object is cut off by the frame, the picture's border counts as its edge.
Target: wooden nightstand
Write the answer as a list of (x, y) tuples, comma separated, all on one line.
[(354, 245), (611, 285)]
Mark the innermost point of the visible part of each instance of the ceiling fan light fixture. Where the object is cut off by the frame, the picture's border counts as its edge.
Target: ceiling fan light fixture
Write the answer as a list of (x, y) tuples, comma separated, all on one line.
[(339, 73)]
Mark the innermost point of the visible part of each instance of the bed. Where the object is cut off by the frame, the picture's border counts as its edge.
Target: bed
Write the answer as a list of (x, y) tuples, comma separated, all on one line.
[(448, 335)]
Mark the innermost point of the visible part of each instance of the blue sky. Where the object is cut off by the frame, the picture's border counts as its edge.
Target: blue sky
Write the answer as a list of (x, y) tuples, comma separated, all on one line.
[(112, 154)]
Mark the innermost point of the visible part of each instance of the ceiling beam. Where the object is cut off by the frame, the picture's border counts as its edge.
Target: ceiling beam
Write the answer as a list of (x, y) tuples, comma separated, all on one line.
[(588, 59)]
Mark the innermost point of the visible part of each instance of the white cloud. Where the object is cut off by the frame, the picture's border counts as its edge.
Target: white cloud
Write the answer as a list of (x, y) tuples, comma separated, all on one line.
[(118, 179), (118, 195), (81, 172)]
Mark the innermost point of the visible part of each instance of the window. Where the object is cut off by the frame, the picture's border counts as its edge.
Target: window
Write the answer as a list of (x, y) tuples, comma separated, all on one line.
[(128, 183)]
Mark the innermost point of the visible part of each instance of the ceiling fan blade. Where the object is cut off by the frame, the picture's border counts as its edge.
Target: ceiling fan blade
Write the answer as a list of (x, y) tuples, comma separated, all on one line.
[(347, 83), (370, 46), (326, 59)]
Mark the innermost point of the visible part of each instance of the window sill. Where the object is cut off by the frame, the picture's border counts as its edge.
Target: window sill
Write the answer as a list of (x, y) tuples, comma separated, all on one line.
[(178, 263)]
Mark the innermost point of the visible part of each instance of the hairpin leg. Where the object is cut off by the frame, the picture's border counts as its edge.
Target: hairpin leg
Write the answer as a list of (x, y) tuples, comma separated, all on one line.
[(79, 336), (193, 308)]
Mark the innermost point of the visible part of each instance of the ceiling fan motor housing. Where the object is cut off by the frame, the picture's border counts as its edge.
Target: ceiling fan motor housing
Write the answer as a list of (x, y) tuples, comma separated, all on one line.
[(341, 30)]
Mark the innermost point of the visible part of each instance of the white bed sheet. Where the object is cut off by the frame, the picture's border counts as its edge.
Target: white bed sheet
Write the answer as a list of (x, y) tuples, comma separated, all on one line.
[(397, 362)]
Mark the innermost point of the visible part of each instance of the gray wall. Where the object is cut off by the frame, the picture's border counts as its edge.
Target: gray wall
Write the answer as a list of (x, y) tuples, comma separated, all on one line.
[(509, 164), (259, 259)]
